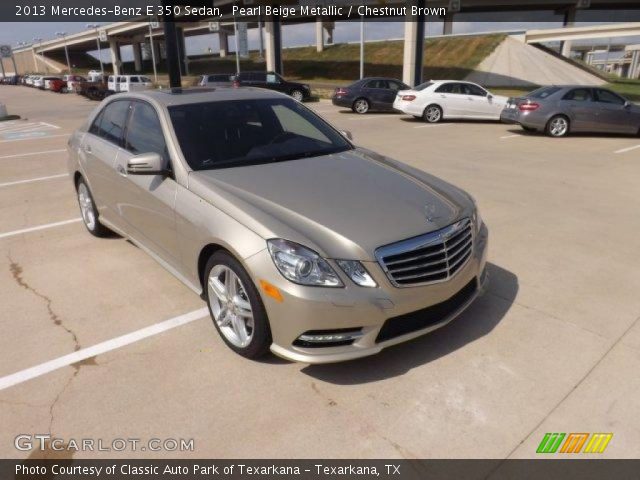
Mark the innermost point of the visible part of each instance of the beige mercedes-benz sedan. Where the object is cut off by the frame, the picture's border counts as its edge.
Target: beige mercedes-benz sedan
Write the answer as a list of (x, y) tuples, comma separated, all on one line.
[(300, 242)]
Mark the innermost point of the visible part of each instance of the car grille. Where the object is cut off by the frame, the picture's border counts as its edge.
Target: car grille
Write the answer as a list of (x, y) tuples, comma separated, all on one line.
[(431, 258), (427, 317)]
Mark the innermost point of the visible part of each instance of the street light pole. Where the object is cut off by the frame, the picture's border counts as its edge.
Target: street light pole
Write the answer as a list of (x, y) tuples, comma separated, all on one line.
[(66, 50), (46, 66), (362, 47), (95, 26), (153, 53)]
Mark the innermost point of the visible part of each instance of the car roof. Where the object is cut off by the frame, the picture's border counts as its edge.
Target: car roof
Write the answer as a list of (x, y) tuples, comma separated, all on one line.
[(185, 96)]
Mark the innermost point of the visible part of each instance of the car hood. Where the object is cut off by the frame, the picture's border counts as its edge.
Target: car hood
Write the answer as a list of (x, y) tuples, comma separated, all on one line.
[(343, 205)]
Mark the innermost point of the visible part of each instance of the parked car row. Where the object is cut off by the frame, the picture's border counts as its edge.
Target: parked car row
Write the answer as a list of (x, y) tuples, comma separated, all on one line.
[(55, 83), (555, 110)]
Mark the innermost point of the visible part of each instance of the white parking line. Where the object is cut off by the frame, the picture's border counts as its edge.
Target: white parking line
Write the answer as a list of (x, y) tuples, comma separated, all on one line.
[(118, 342), (431, 125), (628, 149), (39, 227), (50, 125), (510, 136), (36, 138), (31, 180), (33, 153)]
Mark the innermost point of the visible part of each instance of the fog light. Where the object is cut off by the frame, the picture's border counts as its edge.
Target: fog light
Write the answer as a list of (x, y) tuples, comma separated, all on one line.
[(328, 338)]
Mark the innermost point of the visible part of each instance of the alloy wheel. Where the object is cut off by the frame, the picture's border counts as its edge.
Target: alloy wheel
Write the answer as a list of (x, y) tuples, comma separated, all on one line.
[(297, 95), (230, 306), (361, 106), (558, 126), (86, 206), (433, 114)]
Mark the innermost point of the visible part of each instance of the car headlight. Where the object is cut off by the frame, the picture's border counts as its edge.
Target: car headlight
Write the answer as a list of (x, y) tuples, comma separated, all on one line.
[(301, 264), (356, 272)]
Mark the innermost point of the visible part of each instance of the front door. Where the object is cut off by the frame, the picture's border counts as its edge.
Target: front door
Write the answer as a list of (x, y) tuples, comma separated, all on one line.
[(146, 203), (614, 115)]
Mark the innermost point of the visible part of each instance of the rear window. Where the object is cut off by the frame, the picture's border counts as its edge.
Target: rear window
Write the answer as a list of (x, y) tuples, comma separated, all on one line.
[(422, 86), (543, 92)]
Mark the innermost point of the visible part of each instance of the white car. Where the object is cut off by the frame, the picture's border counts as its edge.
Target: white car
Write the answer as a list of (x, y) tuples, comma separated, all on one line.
[(38, 82), (444, 99)]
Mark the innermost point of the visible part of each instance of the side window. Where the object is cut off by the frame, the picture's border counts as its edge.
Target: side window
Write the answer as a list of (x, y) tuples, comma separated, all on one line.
[(445, 88), (114, 118), (95, 126), (395, 85), (293, 122), (144, 132), (605, 96), (376, 84), (272, 78), (259, 77), (578, 95), (134, 80), (475, 90)]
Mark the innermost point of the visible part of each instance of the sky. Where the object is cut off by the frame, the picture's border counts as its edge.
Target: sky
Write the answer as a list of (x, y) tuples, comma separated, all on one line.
[(301, 34)]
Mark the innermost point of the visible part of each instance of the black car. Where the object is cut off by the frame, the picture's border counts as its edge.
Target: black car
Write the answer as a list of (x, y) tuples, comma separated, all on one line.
[(372, 93), (273, 81)]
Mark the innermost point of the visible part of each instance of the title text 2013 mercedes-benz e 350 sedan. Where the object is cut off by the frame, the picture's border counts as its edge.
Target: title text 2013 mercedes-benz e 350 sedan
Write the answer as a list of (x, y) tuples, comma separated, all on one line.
[(299, 241)]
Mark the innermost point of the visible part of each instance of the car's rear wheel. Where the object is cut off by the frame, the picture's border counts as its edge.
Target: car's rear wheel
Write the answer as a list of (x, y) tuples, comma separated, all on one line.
[(297, 95), (558, 126), (432, 114), (361, 106), (235, 306), (89, 211)]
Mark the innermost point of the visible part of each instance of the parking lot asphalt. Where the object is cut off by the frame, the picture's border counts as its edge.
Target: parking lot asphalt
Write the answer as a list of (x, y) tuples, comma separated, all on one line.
[(554, 345)]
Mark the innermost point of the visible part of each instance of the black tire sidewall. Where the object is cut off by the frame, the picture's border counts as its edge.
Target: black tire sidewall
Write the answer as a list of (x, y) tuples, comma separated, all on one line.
[(261, 339)]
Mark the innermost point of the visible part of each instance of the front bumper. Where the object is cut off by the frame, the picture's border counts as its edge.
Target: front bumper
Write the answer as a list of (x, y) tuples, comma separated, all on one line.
[(305, 309)]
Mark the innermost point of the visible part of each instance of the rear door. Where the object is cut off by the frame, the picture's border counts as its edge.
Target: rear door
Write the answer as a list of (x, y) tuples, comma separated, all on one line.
[(614, 116), (98, 154), (452, 100), (146, 203), (583, 111)]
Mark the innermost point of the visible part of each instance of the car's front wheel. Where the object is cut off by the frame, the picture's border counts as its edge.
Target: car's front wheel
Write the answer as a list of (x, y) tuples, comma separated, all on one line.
[(558, 126), (432, 114), (89, 211), (297, 95), (235, 306)]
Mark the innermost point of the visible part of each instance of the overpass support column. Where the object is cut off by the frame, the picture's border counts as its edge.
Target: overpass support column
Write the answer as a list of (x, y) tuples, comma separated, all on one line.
[(273, 45), (223, 39), (114, 48), (182, 52), (413, 47), (634, 68), (137, 56), (569, 20), (319, 35), (447, 24)]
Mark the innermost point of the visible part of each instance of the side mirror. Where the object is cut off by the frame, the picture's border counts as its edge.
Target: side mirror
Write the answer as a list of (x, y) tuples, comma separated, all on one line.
[(347, 134), (489, 96), (627, 104), (146, 164)]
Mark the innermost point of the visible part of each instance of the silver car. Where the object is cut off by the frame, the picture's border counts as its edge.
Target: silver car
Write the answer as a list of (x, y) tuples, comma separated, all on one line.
[(559, 111), (300, 242)]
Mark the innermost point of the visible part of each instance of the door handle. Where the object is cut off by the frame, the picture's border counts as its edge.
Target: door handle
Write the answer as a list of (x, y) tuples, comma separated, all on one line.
[(121, 171)]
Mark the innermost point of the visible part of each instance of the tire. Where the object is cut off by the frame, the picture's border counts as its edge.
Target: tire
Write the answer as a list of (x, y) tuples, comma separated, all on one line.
[(297, 95), (88, 211), (249, 338), (432, 114), (361, 106), (558, 126)]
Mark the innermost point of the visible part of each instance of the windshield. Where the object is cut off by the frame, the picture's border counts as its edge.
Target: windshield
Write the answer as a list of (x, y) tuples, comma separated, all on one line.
[(248, 132)]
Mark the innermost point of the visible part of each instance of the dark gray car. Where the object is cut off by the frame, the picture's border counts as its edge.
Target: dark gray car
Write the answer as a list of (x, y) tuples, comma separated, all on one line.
[(560, 110), (372, 93)]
